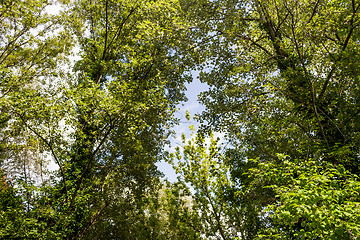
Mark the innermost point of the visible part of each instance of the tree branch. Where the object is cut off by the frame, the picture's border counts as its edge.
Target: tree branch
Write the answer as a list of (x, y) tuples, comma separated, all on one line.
[(51, 149), (93, 220), (314, 11)]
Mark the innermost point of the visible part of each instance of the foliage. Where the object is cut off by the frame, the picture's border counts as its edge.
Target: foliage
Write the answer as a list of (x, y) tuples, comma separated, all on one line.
[(180, 220), (203, 166), (124, 97), (103, 121), (283, 80), (314, 200), (284, 87), (32, 51)]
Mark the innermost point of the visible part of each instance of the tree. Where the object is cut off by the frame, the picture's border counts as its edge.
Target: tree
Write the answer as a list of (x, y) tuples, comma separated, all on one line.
[(284, 86), (129, 81), (203, 167), (283, 80), (32, 50), (103, 123)]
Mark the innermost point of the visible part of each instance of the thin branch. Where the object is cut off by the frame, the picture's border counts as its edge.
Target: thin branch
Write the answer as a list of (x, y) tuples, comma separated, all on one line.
[(257, 45), (336, 126), (326, 83), (51, 149), (22, 32), (107, 134), (314, 11), (106, 30), (122, 24), (351, 117), (305, 131), (313, 97), (93, 220), (281, 23), (78, 182), (215, 212), (345, 44)]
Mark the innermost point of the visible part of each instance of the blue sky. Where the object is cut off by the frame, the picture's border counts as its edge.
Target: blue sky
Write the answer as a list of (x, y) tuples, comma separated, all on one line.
[(194, 107)]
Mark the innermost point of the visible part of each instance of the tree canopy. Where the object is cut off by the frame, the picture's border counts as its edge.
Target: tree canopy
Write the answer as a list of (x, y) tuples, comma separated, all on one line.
[(284, 83), (93, 90)]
